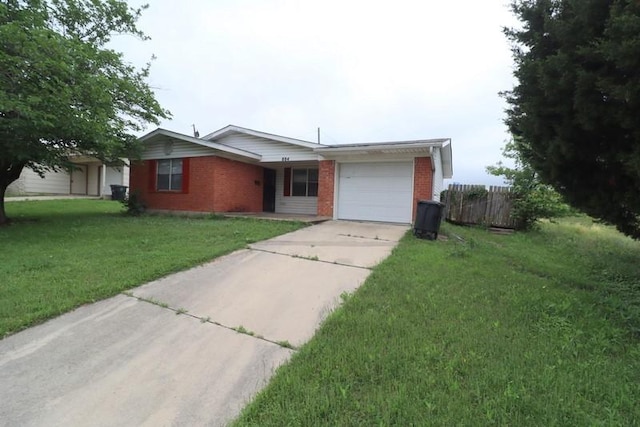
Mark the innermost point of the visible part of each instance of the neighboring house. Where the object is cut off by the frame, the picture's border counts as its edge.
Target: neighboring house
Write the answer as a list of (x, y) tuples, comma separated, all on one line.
[(89, 177), (241, 170)]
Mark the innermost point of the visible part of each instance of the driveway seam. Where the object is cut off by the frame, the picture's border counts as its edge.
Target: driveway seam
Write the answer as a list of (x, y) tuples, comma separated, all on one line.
[(367, 238), (238, 329), (310, 259)]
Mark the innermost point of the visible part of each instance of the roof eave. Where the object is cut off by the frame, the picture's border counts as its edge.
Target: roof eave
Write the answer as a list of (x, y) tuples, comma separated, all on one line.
[(220, 133), (213, 145), (380, 147)]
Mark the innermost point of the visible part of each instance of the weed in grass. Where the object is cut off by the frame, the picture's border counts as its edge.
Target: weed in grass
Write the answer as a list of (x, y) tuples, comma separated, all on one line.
[(216, 217), (343, 391), (461, 250), (346, 296)]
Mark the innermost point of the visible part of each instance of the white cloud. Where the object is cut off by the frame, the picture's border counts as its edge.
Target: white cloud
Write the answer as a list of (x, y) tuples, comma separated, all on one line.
[(360, 70)]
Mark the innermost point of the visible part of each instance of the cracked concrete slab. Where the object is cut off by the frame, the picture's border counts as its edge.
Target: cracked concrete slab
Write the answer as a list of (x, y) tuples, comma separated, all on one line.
[(277, 296), (343, 242), (125, 362)]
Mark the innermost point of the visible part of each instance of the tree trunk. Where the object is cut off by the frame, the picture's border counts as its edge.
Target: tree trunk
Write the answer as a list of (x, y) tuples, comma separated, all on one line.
[(3, 216), (9, 172)]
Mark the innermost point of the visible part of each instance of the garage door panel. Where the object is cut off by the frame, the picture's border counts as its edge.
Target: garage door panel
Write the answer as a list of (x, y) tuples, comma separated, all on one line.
[(376, 191), (372, 170), (377, 187)]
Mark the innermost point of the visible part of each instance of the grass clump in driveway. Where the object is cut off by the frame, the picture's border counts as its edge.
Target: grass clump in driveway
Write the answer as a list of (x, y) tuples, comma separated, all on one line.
[(528, 329), (60, 254)]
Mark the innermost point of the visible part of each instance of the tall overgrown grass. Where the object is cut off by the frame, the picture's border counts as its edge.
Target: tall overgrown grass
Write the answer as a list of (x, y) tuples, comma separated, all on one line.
[(538, 328)]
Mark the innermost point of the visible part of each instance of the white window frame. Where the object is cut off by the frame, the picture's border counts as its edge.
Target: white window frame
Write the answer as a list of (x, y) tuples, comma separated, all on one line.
[(171, 174), (307, 182)]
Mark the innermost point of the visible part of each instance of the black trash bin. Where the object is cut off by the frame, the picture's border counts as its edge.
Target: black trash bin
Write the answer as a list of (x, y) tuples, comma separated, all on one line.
[(118, 192), (428, 219)]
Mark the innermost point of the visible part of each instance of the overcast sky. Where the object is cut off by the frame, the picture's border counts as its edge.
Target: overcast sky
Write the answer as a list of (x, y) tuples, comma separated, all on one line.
[(362, 71)]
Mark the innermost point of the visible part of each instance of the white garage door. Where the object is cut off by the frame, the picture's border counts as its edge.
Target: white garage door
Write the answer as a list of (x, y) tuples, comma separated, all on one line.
[(376, 191)]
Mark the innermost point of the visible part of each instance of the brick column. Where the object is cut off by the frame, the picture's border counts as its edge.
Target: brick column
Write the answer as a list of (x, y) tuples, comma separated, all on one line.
[(422, 181), (326, 183)]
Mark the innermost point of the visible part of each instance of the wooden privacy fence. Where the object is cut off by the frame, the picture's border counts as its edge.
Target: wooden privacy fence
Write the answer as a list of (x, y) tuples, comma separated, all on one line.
[(474, 204)]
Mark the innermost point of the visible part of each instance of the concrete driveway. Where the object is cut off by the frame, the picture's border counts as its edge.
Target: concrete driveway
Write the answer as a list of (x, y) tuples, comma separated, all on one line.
[(168, 353)]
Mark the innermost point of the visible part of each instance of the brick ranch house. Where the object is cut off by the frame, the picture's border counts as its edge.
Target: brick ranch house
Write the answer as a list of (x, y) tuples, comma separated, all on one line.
[(235, 169)]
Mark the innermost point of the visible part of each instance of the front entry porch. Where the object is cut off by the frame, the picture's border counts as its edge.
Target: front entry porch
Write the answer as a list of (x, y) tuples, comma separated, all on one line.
[(310, 219), (290, 188)]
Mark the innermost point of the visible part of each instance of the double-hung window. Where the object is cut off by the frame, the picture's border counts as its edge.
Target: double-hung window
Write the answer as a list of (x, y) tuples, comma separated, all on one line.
[(169, 175), (304, 182)]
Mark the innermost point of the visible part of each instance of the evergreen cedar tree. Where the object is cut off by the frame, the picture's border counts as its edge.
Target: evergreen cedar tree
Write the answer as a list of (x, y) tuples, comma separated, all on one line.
[(575, 110), (62, 92)]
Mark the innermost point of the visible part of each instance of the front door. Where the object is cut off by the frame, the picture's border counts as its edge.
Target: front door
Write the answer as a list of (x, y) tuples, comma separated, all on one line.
[(269, 190)]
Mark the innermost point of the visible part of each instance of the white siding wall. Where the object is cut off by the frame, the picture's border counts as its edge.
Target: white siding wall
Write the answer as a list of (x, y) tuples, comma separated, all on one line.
[(290, 204), (53, 182), (438, 180), (16, 187), (271, 151), (181, 149), (60, 182)]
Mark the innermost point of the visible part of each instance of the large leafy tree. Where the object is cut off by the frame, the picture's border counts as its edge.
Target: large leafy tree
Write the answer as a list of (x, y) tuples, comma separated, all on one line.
[(576, 107), (63, 92)]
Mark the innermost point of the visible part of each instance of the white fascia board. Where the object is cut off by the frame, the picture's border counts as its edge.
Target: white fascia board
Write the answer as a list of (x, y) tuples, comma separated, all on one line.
[(381, 147), (213, 145), (237, 129), (446, 155)]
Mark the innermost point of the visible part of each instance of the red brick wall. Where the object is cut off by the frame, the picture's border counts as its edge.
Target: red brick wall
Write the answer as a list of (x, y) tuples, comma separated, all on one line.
[(215, 184), (422, 181), (326, 180), (238, 186)]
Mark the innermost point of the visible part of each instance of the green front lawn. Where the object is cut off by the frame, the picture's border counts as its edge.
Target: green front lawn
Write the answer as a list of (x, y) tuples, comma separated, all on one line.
[(57, 255), (537, 329)]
